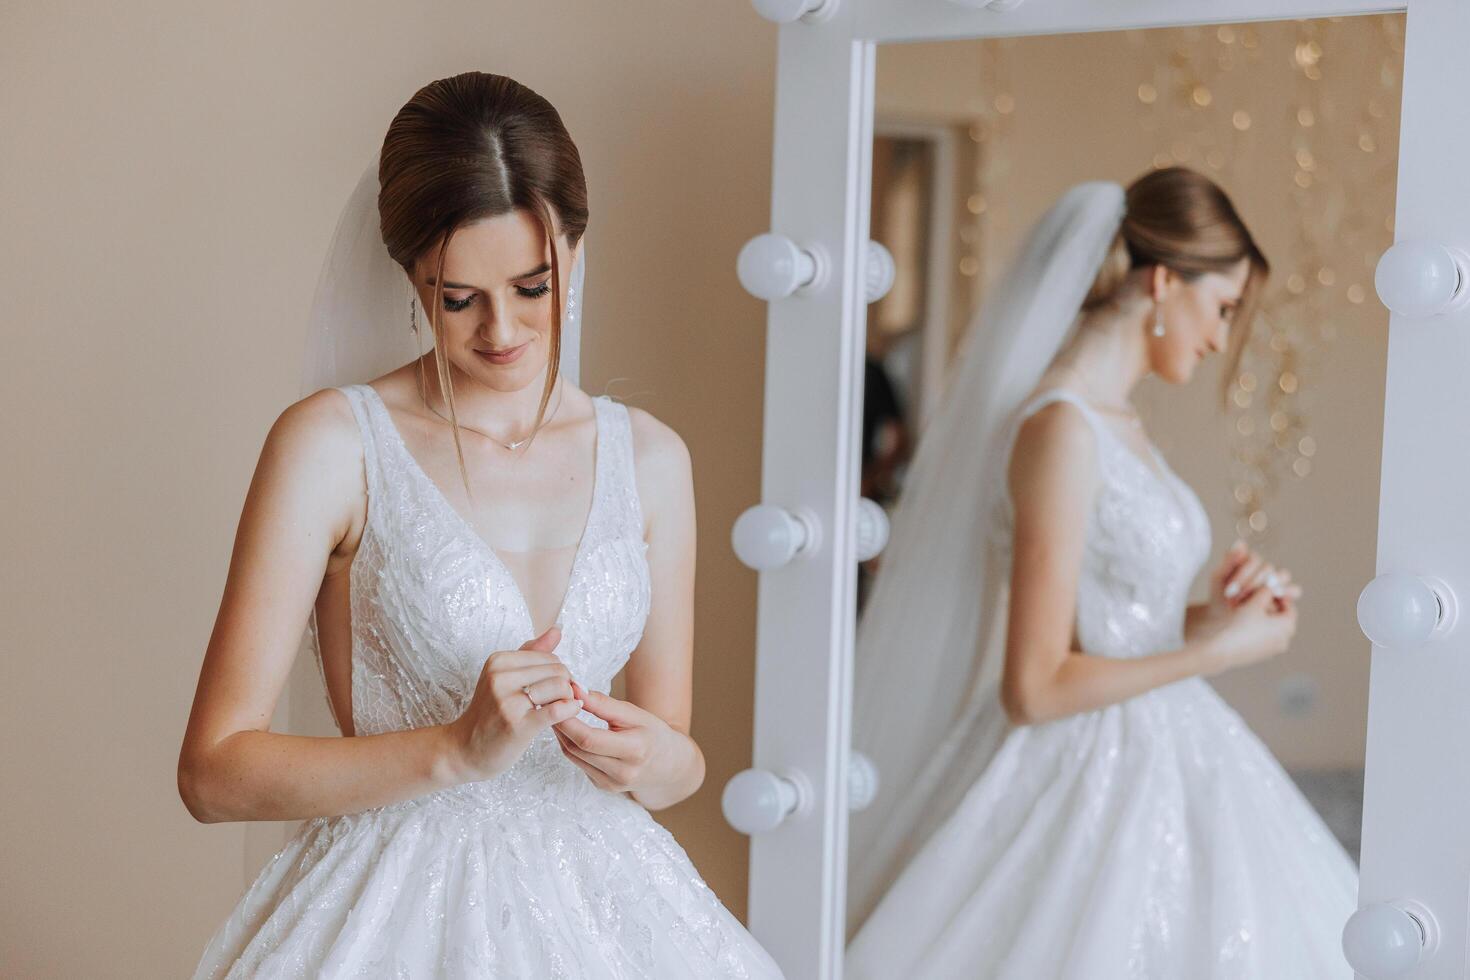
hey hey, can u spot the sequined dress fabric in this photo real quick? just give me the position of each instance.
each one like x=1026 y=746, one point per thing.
x=1153 y=839
x=535 y=873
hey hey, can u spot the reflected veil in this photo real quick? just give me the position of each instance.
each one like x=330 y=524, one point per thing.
x=930 y=637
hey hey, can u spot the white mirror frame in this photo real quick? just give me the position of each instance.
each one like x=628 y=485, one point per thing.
x=1417 y=798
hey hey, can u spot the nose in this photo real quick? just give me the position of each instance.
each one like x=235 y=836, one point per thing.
x=494 y=325
x=1217 y=338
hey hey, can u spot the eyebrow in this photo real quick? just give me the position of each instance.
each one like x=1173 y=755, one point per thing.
x=543 y=267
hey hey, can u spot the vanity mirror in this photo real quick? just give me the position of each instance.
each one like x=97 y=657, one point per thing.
x=947 y=134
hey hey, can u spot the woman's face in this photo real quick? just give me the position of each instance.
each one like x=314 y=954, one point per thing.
x=496 y=317
x=1198 y=317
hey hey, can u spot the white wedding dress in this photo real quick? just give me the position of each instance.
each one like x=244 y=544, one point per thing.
x=535 y=873
x=1153 y=839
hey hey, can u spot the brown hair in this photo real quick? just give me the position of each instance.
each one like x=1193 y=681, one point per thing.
x=1181 y=219
x=468 y=147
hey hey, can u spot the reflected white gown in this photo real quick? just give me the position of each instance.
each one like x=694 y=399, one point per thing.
x=1155 y=839
x=535 y=873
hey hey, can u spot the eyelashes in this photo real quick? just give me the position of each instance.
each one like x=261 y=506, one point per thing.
x=534 y=292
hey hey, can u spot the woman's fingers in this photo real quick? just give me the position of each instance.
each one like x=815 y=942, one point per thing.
x=513 y=659
x=546 y=642
x=1254 y=579
x=1237 y=579
x=549 y=689
x=618 y=714
x=598 y=741
x=1269 y=577
x=505 y=681
x=555 y=712
x=599 y=778
x=1231 y=561
x=616 y=771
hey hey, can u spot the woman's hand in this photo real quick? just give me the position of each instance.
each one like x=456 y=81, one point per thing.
x=638 y=753
x=1250 y=632
x=501 y=718
x=1241 y=572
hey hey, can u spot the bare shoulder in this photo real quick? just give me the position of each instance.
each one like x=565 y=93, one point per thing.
x=321 y=424
x=1056 y=426
x=663 y=472
x=657 y=448
x=314 y=451
x=1054 y=445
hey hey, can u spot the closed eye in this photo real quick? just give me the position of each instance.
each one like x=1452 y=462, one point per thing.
x=529 y=292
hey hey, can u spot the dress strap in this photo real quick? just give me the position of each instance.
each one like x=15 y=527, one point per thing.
x=1050 y=395
x=1030 y=407
x=621 y=493
x=361 y=402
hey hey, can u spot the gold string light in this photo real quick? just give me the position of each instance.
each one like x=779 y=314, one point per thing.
x=1329 y=208
x=1269 y=439
x=990 y=133
x=1188 y=117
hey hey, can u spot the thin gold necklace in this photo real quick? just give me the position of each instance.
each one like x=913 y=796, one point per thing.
x=516 y=444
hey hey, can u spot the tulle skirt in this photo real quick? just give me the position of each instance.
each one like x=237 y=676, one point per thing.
x=1157 y=838
x=586 y=886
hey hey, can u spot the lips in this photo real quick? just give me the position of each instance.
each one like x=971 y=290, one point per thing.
x=502 y=357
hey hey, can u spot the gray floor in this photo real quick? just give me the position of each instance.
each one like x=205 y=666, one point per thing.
x=1338 y=796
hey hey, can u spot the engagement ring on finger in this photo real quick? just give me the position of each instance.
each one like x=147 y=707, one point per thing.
x=527 y=692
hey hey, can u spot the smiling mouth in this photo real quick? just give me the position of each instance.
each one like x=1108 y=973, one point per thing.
x=503 y=356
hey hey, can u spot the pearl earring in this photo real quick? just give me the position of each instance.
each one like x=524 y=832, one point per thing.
x=1158 y=324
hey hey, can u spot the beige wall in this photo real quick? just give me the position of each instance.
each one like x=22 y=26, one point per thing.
x=1077 y=117
x=171 y=174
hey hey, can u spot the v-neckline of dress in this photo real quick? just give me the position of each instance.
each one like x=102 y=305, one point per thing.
x=468 y=530
x=1161 y=472
x=1158 y=468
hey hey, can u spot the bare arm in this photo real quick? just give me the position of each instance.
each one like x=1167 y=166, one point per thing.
x=1053 y=477
x=649 y=752
x=299 y=507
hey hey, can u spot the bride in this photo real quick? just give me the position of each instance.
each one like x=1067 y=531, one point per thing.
x=488 y=815
x=1080 y=803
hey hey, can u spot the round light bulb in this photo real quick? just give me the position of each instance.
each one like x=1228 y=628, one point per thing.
x=1384 y=940
x=756 y=801
x=1420 y=279
x=786 y=11
x=872 y=529
x=1401 y=611
x=772 y=267
x=767 y=536
x=862 y=781
x=880 y=272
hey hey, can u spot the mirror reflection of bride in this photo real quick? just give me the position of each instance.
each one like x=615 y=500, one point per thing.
x=1064 y=794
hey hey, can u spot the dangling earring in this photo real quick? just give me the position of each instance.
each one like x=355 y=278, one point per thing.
x=413 y=315
x=1158 y=322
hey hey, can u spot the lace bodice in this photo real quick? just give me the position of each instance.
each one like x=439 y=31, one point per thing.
x=431 y=600
x=1147 y=537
